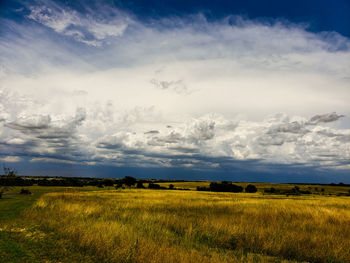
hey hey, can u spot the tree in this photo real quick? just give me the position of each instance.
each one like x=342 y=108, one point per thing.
x=9 y=174
x=251 y=189
x=155 y=186
x=296 y=189
x=129 y=180
x=225 y=187
x=140 y=185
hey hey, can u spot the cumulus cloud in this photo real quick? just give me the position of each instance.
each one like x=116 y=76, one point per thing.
x=329 y=117
x=202 y=130
x=206 y=140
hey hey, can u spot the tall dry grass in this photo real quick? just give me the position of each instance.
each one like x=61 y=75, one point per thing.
x=189 y=226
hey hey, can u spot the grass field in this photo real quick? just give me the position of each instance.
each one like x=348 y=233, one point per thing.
x=130 y=225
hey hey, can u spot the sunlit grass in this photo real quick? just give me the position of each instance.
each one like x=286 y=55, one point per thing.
x=188 y=226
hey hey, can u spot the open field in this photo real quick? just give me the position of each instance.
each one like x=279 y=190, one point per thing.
x=142 y=225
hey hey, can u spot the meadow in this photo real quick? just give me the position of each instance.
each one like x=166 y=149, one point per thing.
x=88 y=224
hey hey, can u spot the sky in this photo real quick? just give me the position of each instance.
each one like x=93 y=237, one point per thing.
x=197 y=90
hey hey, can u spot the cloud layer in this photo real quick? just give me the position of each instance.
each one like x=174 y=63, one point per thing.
x=102 y=87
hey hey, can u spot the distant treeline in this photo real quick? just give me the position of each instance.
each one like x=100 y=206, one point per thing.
x=56 y=181
x=227 y=187
x=127 y=181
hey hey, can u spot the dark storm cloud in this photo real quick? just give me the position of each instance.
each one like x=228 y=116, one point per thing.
x=39 y=136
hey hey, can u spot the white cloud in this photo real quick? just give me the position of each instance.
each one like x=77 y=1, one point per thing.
x=177 y=86
x=51 y=160
x=83 y=28
x=10 y=159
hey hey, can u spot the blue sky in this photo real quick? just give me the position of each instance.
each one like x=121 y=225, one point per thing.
x=243 y=90
x=320 y=15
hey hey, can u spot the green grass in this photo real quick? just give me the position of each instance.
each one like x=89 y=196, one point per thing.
x=15 y=248
x=11 y=250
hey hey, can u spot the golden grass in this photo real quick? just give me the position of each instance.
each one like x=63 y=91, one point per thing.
x=188 y=226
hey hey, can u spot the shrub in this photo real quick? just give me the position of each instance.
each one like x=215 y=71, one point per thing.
x=140 y=185
x=119 y=185
x=155 y=186
x=9 y=180
x=202 y=188
x=25 y=192
x=272 y=190
x=251 y=189
x=225 y=187
x=107 y=182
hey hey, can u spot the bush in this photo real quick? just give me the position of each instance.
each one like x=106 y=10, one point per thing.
x=272 y=190
x=119 y=185
x=202 y=188
x=25 y=192
x=251 y=189
x=225 y=187
x=4 y=189
x=9 y=179
x=296 y=189
x=107 y=182
x=155 y=186
x=140 y=185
